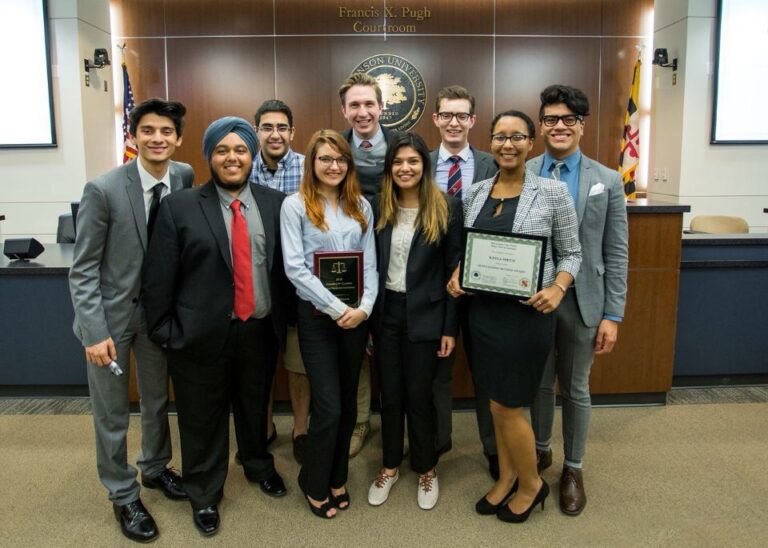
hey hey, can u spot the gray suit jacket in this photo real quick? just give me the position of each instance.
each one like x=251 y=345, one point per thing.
x=105 y=278
x=485 y=165
x=601 y=286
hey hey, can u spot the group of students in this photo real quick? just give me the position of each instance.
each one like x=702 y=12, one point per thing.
x=215 y=294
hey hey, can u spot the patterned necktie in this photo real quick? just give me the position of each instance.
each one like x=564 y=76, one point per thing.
x=454 y=177
x=241 y=264
x=556 y=169
x=366 y=145
x=154 y=205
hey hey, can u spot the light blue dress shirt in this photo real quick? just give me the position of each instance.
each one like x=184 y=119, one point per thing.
x=301 y=239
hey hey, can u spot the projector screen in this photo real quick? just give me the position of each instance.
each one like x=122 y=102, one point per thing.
x=26 y=101
x=741 y=72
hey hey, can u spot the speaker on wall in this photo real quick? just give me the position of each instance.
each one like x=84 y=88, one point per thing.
x=22 y=248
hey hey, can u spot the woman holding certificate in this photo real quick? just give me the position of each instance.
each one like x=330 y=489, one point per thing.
x=327 y=233
x=419 y=245
x=511 y=338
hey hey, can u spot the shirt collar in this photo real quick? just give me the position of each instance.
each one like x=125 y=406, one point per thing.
x=444 y=154
x=375 y=140
x=571 y=161
x=282 y=163
x=148 y=180
x=226 y=198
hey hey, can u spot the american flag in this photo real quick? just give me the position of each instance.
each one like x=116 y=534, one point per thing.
x=129 y=149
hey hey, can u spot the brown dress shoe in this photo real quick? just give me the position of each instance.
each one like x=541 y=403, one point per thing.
x=543 y=460
x=572 y=495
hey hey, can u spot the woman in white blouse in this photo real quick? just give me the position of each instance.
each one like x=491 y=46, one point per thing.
x=329 y=214
x=415 y=322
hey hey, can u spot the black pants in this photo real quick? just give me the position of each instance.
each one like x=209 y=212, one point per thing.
x=240 y=379
x=332 y=358
x=407 y=370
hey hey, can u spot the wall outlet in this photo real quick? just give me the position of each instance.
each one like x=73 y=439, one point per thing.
x=656 y=174
x=664 y=174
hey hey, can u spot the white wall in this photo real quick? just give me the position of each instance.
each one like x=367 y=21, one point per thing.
x=712 y=179
x=37 y=185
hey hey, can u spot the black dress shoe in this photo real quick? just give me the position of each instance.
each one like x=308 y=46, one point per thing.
x=136 y=522
x=273 y=485
x=299 y=442
x=169 y=482
x=206 y=520
x=485 y=508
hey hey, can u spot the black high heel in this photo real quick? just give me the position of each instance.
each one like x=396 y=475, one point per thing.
x=505 y=514
x=485 y=508
x=320 y=511
x=336 y=501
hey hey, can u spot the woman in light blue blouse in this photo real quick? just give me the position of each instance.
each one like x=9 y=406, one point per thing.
x=329 y=214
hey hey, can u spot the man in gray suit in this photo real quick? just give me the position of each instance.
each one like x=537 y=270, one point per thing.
x=457 y=165
x=587 y=321
x=114 y=223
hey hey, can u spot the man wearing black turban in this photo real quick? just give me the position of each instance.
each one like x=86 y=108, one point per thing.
x=214 y=296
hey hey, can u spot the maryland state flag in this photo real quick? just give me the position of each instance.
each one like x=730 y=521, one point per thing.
x=630 y=141
x=129 y=149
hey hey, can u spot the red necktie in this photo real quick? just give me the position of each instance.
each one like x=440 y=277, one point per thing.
x=241 y=264
x=366 y=145
x=454 y=177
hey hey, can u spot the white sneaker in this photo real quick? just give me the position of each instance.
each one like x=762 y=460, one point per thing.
x=358 y=438
x=429 y=490
x=379 y=490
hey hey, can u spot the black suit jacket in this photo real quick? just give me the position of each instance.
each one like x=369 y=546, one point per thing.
x=188 y=279
x=431 y=312
x=370 y=186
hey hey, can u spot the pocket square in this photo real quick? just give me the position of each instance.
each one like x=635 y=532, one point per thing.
x=596 y=189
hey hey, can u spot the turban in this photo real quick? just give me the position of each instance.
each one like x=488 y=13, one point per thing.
x=223 y=127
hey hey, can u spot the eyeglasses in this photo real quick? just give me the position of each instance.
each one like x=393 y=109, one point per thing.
x=327 y=161
x=448 y=116
x=569 y=120
x=269 y=128
x=501 y=139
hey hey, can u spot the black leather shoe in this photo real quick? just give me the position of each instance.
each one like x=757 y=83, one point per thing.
x=206 y=520
x=493 y=466
x=273 y=485
x=169 y=482
x=136 y=522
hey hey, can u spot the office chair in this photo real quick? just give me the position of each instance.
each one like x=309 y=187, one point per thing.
x=719 y=224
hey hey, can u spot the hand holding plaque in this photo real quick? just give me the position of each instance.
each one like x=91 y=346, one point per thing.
x=341 y=272
x=502 y=263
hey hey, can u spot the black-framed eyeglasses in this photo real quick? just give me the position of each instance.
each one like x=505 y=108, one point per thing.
x=569 y=120
x=327 y=161
x=448 y=116
x=269 y=128
x=501 y=139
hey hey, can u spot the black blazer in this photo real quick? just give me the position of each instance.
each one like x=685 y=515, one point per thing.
x=431 y=312
x=188 y=280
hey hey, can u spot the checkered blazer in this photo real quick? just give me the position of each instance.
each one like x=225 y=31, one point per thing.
x=545 y=209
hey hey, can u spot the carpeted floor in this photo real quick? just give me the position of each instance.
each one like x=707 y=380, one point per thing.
x=678 y=475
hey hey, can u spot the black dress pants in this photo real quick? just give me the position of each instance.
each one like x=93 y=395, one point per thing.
x=332 y=358
x=407 y=370
x=240 y=379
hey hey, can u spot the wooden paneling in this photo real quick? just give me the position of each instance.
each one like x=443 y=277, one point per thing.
x=548 y=17
x=654 y=240
x=145 y=59
x=217 y=77
x=622 y=18
x=446 y=16
x=137 y=18
x=525 y=66
x=322 y=16
x=218 y=18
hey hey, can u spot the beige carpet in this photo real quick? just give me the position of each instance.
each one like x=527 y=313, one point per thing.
x=692 y=475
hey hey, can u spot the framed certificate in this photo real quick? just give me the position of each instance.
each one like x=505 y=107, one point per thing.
x=502 y=263
x=341 y=272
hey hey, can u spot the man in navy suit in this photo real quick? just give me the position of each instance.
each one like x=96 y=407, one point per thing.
x=587 y=321
x=454 y=116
